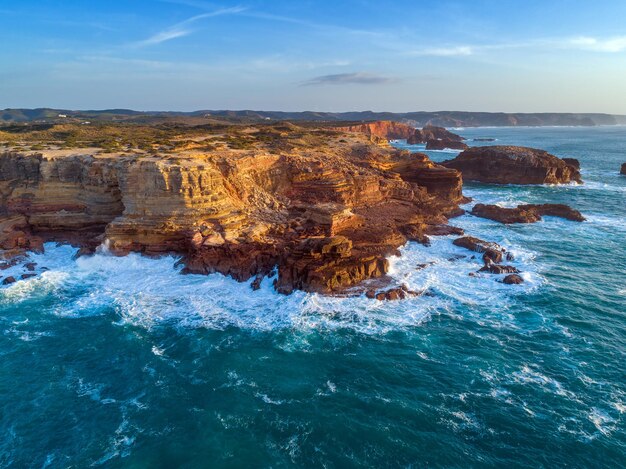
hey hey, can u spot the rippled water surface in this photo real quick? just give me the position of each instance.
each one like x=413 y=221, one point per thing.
x=122 y=362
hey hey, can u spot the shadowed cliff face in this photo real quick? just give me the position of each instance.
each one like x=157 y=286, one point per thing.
x=327 y=217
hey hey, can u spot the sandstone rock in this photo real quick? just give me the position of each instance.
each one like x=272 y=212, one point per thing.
x=555 y=210
x=491 y=251
x=573 y=162
x=513 y=279
x=505 y=215
x=527 y=213
x=328 y=216
x=443 y=144
x=443 y=230
x=513 y=165
x=396 y=293
x=498 y=269
x=388 y=130
x=432 y=133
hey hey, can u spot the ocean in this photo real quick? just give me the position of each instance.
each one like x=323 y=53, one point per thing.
x=122 y=362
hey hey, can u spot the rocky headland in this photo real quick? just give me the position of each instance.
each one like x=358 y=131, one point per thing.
x=514 y=165
x=435 y=138
x=325 y=207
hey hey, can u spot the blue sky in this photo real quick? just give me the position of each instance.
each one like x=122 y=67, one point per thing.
x=516 y=56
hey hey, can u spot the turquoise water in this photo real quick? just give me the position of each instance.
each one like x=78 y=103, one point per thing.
x=120 y=362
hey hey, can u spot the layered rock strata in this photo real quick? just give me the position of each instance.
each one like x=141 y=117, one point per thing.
x=326 y=217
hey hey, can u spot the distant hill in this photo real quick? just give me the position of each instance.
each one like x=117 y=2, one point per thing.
x=418 y=119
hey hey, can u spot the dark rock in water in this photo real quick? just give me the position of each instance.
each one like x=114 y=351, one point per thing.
x=423 y=266
x=499 y=269
x=84 y=251
x=555 y=210
x=505 y=215
x=572 y=162
x=256 y=283
x=445 y=144
x=492 y=251
x=443 y=230
x=623 y=170
x=8 y=280
x=30 y=266
x=527 y=213
x=501 y=164
x=396 y=293
x=513 y=279
x=456 y=258
x=431 y=133
x=25 y=276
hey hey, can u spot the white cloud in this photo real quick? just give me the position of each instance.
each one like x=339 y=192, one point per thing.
x=611 y=45
x=182 y=29
x=446 y=51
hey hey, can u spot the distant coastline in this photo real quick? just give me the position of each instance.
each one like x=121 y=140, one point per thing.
x=417 y=119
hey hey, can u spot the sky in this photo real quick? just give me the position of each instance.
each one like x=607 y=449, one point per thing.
x=404 y=55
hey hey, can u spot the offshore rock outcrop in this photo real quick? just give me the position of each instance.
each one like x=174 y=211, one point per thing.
x=527 y=213
x=513 y=165
x=445 y=144
x=431 y=132
x=326 y=215
x=623 y=169
x=435 y=138
x=492 y=252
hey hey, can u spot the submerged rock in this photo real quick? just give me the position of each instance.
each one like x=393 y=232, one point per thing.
x=8 y=280
x=513 y=165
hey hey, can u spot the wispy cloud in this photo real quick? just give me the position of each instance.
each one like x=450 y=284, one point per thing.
x=614 y=44
x=356 y=78
x=611 y=45
x=183 y=28
x=445 y=51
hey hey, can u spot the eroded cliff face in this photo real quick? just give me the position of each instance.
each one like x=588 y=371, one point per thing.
x=327 y=218
x=387 y=130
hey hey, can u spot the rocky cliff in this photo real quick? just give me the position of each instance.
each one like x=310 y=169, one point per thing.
x=387 y=130
x=327 y=215
x=435 y=138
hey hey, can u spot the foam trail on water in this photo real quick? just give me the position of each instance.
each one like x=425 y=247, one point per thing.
x=149 y=292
